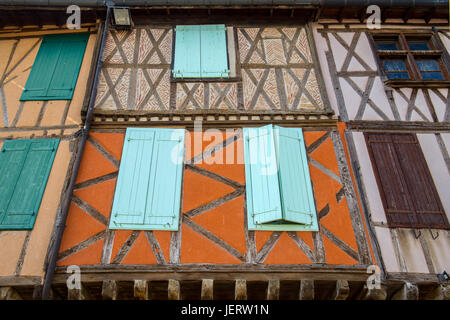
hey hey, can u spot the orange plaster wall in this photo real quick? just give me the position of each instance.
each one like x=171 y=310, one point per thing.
x=226 y=221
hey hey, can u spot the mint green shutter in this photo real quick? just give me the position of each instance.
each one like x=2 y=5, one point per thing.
x=295 y=184
x=128 y=209
x=146 y=176
x=164 y=194
x=187 y=52
x=55 y=70
x=214 y=57
x=262 y=190
x=25 y=193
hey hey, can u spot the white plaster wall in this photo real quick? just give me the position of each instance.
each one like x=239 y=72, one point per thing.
x=377 y=95
x=410 y=248
x=321 y=48
x=438 y=168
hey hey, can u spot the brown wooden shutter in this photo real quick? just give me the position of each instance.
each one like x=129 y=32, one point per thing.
x=407 y=189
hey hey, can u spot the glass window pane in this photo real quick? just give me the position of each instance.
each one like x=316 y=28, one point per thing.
x=432 y=75
x=387 y=46
x=394 y=65
x=427 y=65
x=418 y=46
x=398 y=75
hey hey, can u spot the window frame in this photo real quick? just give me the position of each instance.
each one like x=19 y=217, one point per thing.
x=231 y=49
x=436 y=52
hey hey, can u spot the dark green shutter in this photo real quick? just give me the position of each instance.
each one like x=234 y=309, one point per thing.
x=55 y=71
x=30 y=162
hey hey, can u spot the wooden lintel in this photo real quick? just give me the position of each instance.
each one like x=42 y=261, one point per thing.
x=408 y=291
x=306 y=290
x=207 y=289
x=173 y=290
x=9 y=293
x=341 y=290
x=110 y=289
x=376 y=293
x=141 y=289
x=273 y=289
x=78 y=293
x=240 y=289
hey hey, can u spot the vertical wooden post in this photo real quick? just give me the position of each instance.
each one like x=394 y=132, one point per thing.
x=408 y=291
x=240 y=289
x=373 y=293
x=207 y=289
x=273 y=290
x=173 y=290
x=306 y=290
x=110 y=290
x=341 y=290
x=78 y=294
x=141 y=289
x=9 y=293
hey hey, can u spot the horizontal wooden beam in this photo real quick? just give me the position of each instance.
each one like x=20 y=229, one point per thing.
x=19 y=281
x=216 y=272
x=416 y=126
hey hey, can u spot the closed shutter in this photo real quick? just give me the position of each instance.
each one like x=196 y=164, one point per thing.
x=200 y=52
x=55 y=71
x=214 y=58
x=295 y=184
x=425 y=198
x=263 y=193
x=66 y=72
x=33 y=159
x=407 y=190
x=164 y=193
x=148 y=187
x=187 y=52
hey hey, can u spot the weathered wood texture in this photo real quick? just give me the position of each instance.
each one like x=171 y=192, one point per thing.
x=306 y=290
x=240 y=290
x=141 y=289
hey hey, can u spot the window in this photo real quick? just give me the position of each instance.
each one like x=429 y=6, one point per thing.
x=148 y=189
x=278 y=186
x=410 y=57
x=24 y=169
x=56 y=67
x=406 y=187
x=201 y=52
